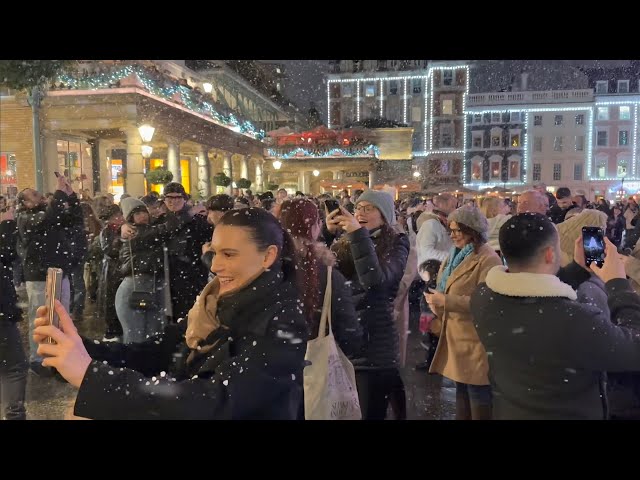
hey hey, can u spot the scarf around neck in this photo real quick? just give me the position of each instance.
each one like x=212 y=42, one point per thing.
x=455 y=258
x=212 y=312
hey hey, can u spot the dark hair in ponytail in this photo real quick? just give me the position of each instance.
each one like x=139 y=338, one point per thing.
x=265 y=230
x=298 y=217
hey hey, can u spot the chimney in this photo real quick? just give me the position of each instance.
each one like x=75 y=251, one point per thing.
x=524 y=77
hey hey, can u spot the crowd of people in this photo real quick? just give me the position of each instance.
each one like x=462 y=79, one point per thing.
x=207 y=306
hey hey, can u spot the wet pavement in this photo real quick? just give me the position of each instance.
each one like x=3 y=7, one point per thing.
x=427 y=397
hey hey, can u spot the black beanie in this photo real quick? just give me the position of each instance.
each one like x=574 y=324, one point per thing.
x=175 y=187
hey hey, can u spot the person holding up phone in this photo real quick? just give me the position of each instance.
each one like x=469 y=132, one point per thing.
x=46 y=240
x=549 y=350
x=373 y=256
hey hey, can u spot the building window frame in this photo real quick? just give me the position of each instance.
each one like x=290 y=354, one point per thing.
x=603 y=113
x=602 y=86
x=602 y=138
x=557 y=143
x=624 y=83
x=537 y=172
x=627 y=112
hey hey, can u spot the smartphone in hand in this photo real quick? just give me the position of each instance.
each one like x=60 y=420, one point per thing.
x=53 y=292
x=593 y=243
x=331 y=205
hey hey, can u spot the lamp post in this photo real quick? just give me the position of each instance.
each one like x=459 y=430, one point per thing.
x=146 y=132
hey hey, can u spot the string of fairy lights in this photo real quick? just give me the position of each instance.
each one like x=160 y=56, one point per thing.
x=163 y=88
x=370 y=150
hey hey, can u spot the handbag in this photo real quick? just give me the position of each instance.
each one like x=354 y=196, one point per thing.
x=143 y=301
x=329 y=379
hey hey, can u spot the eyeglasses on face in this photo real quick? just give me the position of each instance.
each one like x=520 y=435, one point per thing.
x=455 y=231
x=365 y=208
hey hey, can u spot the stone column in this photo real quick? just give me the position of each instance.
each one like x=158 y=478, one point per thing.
x=50 y=163
x=173 y=158
x=134 y=182
x=307 y=182
x=203 y=172
x=244 y=167
x=259 y=186
x=227 y=168
x=372 y=177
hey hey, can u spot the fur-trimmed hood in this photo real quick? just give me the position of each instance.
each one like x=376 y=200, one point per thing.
x=527 y=284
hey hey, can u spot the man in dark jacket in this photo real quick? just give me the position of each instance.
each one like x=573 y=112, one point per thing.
x=217 y=206
x=79 y=254
x=13 y=365
x=559 y=211
x=45 y=240
x=188 y=275
x=547 y=352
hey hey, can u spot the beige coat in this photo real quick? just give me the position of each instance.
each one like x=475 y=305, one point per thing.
x=632 y=268
x=460 y=355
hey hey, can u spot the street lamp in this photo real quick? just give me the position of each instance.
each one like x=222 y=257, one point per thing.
x=416 y=174
x=316 y=173
x=146 y=132
x=208 y=88
x=147 y=150
x=277 y=164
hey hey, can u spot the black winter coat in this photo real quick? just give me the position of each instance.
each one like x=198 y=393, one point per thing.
x=46 y=237
x=9 y=310
x=147 y=249
x=374 y=286
x=109 y=278
x=344 y=320
x=546 y=351
x=188 y=275
x=254 y=371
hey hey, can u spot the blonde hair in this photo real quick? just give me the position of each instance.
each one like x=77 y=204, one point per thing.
x=490 y=206
x=571 y=229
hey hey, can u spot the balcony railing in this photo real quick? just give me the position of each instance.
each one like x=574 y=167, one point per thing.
x=549 y=96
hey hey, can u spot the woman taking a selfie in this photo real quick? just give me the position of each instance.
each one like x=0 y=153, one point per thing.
x=373 y=257
x=240 y=355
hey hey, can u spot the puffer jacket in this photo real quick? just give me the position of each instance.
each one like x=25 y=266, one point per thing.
x=374 y=285
x=147 y=250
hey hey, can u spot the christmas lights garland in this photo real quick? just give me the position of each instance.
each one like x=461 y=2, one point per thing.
x=106 y=80
x=370 y=150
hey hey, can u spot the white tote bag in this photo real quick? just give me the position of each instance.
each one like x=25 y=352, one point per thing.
x=329 y=379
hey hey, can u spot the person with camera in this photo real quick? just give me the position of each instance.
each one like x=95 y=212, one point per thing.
x=45 y=233
x=238 y=356
x=547 y=351
x=140 y=300
x=373 y=256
